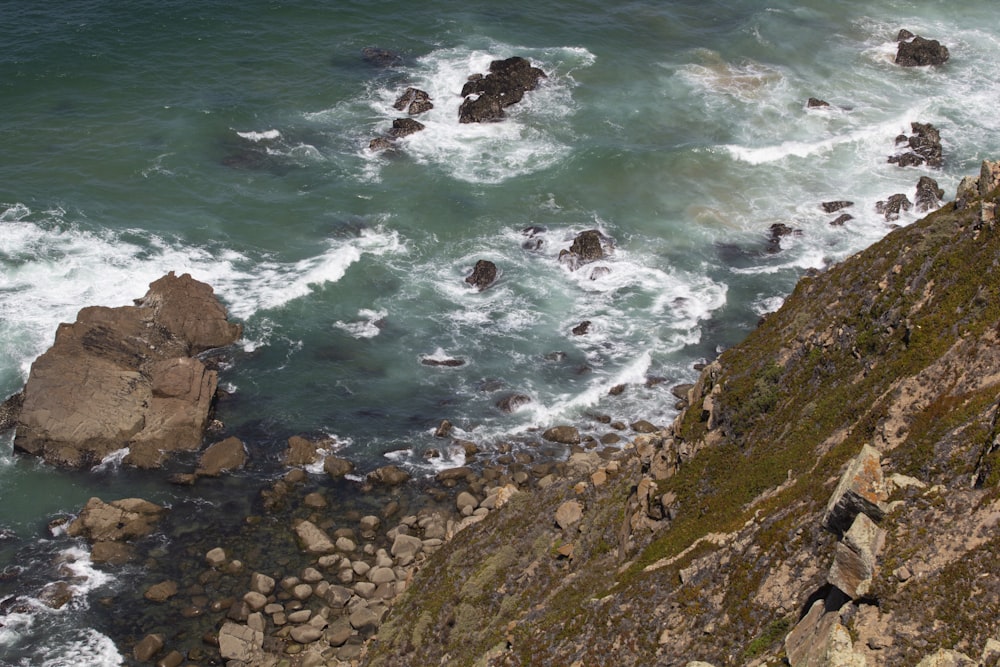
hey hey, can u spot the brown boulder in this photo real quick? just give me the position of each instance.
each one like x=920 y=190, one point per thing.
x=126 y=377
x=229 y=454
x=567 y=435
x=117 y=521
x=389 y=476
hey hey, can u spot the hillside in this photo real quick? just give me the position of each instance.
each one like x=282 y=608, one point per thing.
x=706 y=541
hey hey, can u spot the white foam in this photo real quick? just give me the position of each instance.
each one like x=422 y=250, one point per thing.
x=266 y=135
x=366 y=326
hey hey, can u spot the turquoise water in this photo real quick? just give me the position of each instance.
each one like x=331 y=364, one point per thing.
x=231 y=142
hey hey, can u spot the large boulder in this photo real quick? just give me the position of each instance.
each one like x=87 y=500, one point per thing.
x=917 y=51
x=505 y=85
x=127 y=377
x=483 y=274
x=923 y=146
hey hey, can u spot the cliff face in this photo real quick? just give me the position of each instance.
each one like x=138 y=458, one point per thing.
x=707 y=542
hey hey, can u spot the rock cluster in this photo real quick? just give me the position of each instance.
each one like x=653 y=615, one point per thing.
x=112 y=527
x=487 y=96
x=922 y=147
x=127 y=377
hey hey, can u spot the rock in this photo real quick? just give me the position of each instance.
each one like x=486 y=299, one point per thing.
x=819 y=640
x=841 y=219
x=450 y=363
x=815 y=103
x=892 y=207
x=127 y=377
x=582 y=328
x=364 y=620
x=588 y=246
x=449 y=475
x=305 y=634
x=337 y=467
x=302 y=451
x=947 y=658
x=147 y=647
x=568 y=514
x=414 y=101
x=172 y=659
x=9 y=410
x=861 y=490
x=776 y=232
x=261 y=583
x=379 y=57
x=854 y=560
x=111 y=553
x=643 y=426
x=161 y=592
x=239 y=642
x=512 y=402
x=989 y=178
x=928 y=195
x=566 y=435
x=466 y=500
x=924 y=147
x=224 y=456
x=389 y=475
x=834 y=206
x=404 y=127
x=405 y=548
x=920 y=52
x=380 y=144
x=215 y=557
x=117 y=521
x=313 y=539
x=56 y=595
x=505 y=85
x=483 y=274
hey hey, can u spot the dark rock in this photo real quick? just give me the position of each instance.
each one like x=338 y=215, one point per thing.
x=582 y=328
x=893 y=207
x=127 y=377
x=337 y=467
x=814 y=103
x=588 y=245
x=841 y=219
x=505 y=85
x=924 y=145
x=402 y=127
x=379 y=144
x=483 y=274
x=444 y=429
x=148 y=647
x=512 y=402
x=777 y=231
x=919 y=52
x=414 y=101
x=9 y=410
x=450 y=363
x=928 y=195
x=904 y=35
x=834 y=206
x=381 y=57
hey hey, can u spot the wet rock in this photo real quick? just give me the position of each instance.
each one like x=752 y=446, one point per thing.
x=380 y=144
x=239 y=642
x=404 y=127
x=567 y=435
x=448 y=363
x=483 y=275
x=834 y=206
x=9 y=410
x=776 y=232
x=389 y=475
x=414 y=101
x=301 y=451
x=893 y=207
x=512 y=402
x=56 y=594
x=117 y=521
x=337 y=467
x=224 y=456
x=643 y=426
x=161 y=592
x=380 y=57
x=841 y=219
x=917 y=51
x=924 y=147
x=582 y=328
x=928 y=195
x=313 y=539
x=504 y=85
x=148 y=647
x=816 y=103
x=127 y=377
x=588 y=246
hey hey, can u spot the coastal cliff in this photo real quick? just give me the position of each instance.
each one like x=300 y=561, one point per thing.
x=830 y=494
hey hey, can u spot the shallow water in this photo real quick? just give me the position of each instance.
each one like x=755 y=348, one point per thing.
x=231 y=143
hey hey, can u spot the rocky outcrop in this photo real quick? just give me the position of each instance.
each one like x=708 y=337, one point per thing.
x=484 y=274
x=588 y=246
x=922 y=147
x=505 y=84
x=928 y=196
x=127 y=377
x=916 y=51
x=414 y=101
x=112 y=527
x=893 y=207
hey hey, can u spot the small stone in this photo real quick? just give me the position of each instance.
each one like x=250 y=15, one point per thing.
x=305 y=634
x=161 y=592
x=215 y=557
x=256 y=601
x=261 y=583
x=302 y=592
x=148 y=647
x=466 y=500
x=346 y=545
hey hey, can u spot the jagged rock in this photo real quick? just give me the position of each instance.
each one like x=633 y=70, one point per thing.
x=588 y=246
x=834 y=206
x=841 y=219
x=777 y=231
x=947 y=658
x=389 y=475
x=989 y=177
x=301 y=451
x=414 y=101
x=9 y=410
x=892 y=207
x=161 y=592
x=117 y=521
x=127 y=377
x=924 y=147
x=855 y=557
x=567 y=435
x=512 y=402
x=820 y=640
x=581 y=329
x=918 y=51
x=928 y=195
x=816 y=103
x=483 y=275
x=239 y=642
x=403 y=127
x=861 y=490
x=223 y=456
x=505 y=85
x=380 y=144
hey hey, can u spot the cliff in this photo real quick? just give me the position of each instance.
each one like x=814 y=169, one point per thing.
x=830 y=494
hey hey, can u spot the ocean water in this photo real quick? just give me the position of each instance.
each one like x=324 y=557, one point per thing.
x=231 y=142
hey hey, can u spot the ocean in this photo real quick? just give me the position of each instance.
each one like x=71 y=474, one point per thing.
x=231 y=141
